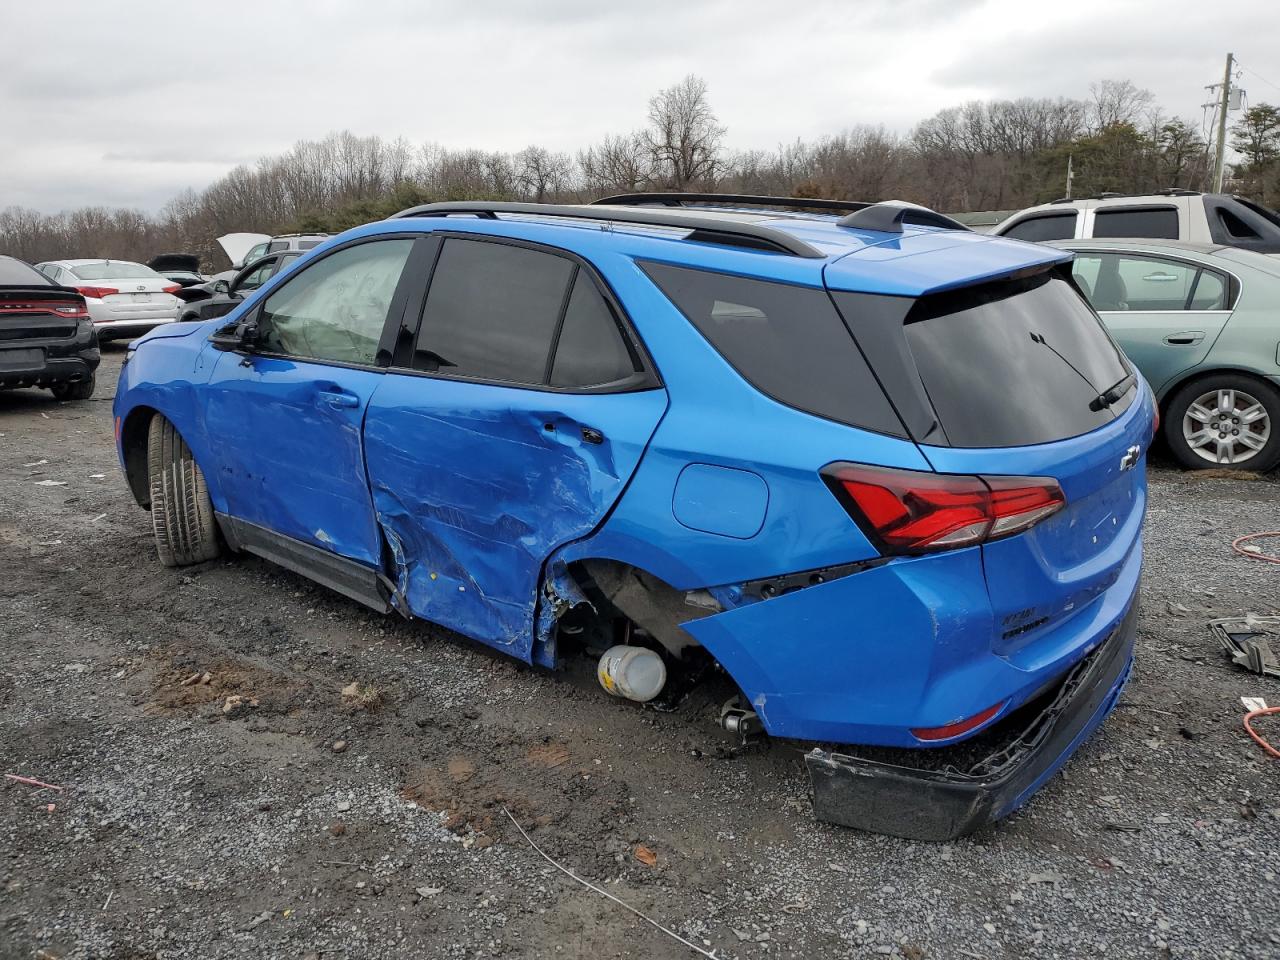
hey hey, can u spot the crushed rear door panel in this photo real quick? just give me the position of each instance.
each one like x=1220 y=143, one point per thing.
x=476 y=485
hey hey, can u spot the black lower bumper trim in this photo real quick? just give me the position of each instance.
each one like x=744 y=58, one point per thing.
x=942 y=804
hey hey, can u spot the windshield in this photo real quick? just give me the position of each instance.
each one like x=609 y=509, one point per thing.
x=1016 y=363
x=114 y=270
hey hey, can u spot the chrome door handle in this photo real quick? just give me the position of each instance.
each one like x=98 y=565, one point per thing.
x=1185 y=338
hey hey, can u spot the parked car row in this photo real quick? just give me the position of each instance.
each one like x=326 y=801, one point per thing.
x=53 y=316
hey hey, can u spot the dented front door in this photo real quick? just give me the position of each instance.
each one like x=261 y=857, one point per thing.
x=475 y=485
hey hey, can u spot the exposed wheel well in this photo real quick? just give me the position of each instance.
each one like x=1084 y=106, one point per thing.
x=133 y=443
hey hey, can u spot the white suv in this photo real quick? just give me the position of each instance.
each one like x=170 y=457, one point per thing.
x=1216 y=218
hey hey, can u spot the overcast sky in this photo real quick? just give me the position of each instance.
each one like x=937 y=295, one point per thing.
x=127 y=103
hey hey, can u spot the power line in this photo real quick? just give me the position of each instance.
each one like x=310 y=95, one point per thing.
x=1258 y=75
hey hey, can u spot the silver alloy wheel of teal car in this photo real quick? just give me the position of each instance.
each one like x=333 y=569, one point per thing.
x=1226 y=426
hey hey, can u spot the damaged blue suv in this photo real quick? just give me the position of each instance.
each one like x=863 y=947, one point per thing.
x=884 y=473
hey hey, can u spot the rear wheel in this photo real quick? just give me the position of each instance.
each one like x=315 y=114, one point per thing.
x=181 y=513
x=1227 y=420
x=80 y=390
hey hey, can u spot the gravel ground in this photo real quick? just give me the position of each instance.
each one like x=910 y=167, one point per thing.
x=311 y=822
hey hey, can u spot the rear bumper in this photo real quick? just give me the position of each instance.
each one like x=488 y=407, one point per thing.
x=24 y=366
x=122 y=329
x=946 y=802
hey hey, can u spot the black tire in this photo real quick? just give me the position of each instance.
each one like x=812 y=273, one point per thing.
x=181 y=514
x=1176 y=423
x=80 y=390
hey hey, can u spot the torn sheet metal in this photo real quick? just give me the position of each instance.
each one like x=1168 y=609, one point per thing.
x=475 y=486
x=1245 y=639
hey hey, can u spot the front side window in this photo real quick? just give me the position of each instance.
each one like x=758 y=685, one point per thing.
x=256 y=277
x=492 y=312
x=1154 y=222
x=336 y=308
x=1049 y=226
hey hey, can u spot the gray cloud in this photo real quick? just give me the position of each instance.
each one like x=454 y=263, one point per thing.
x=133 y=103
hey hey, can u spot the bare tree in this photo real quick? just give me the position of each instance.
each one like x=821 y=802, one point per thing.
x=1113 y=102
x=684 y=136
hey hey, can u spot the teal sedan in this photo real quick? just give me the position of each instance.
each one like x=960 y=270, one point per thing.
x=1202 y=323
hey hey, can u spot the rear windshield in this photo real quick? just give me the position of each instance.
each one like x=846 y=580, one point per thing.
x=16 y=273
x=788 y=342
x=114 y=270
x=1015 y=363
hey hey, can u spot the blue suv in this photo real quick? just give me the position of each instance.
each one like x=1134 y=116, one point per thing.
x=884 y=473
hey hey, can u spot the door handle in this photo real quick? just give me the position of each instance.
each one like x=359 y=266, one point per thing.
x=338 y=398
x=1185 y=338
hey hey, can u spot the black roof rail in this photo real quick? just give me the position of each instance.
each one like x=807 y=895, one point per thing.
x=889 y=215
x=672 y=199
x=701 y=228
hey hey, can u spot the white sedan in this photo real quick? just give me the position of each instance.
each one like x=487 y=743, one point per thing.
x=124 y=299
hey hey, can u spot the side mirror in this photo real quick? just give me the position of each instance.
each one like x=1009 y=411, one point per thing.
x=221 y=286
x=241 y=336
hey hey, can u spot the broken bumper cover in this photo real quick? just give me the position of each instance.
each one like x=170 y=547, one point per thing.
x=947 y=802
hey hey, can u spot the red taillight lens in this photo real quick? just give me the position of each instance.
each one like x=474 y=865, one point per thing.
x=906 y=511
x=61 y=308
x=959 y=727
x=97 y=292
x=172 y=288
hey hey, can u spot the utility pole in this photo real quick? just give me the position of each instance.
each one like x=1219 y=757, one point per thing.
x=1222 y=127
x=1070 y=176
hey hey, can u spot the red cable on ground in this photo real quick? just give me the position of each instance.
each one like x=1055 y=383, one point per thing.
x=1269 y=558
x=1248 y=727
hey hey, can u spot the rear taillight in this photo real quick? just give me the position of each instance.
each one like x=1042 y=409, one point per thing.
x=172 y=288
x=906 y=512
x=97 y=292
x=72 y=311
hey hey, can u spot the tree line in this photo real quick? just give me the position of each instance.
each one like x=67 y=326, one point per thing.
x=982 y=155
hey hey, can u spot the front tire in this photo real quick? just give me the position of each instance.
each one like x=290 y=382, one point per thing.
x=181 y=512
x=80 y=390
x=1227 y=420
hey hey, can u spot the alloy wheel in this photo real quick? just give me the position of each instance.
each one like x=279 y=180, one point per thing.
x=1226 y=426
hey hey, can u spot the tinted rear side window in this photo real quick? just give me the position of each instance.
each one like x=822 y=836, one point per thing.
x=1053 y=226
x=1014 y=363
x=788 y=342
x=590 y=351
x=17 y=273
x=1160 y=222
x=492 y=312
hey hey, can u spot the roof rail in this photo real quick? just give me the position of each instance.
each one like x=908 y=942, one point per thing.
x=889 y=215
x=705 y=229
x=727 y=199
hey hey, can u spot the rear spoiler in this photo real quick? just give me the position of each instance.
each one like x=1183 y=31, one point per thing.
x=27 y=291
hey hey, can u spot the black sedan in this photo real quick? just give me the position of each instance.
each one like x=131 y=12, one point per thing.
x=46 y=336
x=218 y=297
